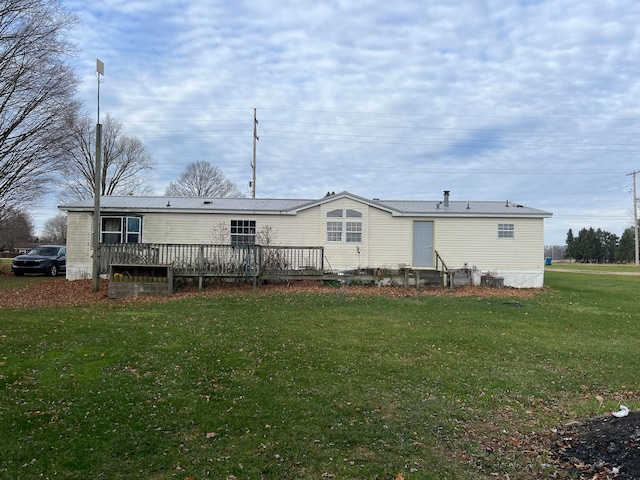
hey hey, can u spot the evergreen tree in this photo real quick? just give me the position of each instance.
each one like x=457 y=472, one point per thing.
x=626 y=248
x=570 y=251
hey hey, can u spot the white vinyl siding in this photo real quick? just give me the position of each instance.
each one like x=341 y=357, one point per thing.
x=377 y=240
x=482 y=248
x=345 y=254
x=79 y=262
x=390 y=240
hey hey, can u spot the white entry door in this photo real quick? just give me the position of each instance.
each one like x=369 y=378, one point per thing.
x=423 y=244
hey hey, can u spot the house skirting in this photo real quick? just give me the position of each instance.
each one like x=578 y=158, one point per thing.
x=515 y=278
x=512 y=278
x=79 y=272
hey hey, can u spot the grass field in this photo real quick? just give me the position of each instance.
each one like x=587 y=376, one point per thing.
x=300 y=385
x=605 y=267
x=5 y=265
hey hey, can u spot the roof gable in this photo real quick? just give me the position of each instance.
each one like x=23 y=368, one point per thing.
x=329 y=198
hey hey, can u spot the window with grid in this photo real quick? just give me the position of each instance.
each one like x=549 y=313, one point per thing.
x=506 y=230
x=243 y=232
x=334 y=231
x=342 y=230
x=354 y=232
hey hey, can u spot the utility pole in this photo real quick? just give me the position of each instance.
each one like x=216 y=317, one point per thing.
x=635 y=214
x=253 y=163
x=97 y=188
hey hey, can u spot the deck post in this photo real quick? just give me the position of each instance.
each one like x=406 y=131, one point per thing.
x=201 y=268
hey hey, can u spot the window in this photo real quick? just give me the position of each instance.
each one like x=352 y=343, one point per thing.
x=349 y=231
x=243 y=232
x=134 y=229
x=334 y=231
x=506 y=230
x=354 y=232
x=121 y=230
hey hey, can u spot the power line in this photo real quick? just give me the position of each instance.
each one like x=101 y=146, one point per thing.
x=491 y=130
x=451 y=115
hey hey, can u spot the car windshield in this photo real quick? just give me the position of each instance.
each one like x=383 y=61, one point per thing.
x=45 y=251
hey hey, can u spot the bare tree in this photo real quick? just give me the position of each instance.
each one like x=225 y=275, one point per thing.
x=55 y=229
x=37 y=91
x=16 y=226
x=124 y=161
x=201 y=179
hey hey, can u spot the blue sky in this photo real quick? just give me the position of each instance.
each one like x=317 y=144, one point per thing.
x=535 y=102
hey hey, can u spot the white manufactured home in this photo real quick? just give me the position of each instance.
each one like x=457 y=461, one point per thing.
x=502 y=239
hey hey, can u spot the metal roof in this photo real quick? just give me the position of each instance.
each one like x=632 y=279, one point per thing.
x=262 y=205
x=292 y=206
x=422 y=207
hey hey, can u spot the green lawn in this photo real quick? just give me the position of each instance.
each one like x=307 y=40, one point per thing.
x=5 y=265
x=296 y=386
x=608 y=267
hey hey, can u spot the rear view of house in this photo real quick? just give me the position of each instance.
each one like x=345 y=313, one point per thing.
x=498 y=238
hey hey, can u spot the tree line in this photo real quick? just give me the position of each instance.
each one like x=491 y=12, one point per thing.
x=47 y=143
x=600 y=246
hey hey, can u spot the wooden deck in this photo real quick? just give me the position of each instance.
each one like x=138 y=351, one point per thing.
x=254 y=263
x=223 y=261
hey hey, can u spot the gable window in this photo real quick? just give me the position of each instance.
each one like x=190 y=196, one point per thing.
x=121 y=230
x=343 y=226
x=243 y=232
x=506 y=230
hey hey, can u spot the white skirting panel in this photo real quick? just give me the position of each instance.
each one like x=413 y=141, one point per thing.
x=516 y=278
x=79 y=272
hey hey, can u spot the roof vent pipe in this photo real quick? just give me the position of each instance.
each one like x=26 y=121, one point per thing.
x=446 y=198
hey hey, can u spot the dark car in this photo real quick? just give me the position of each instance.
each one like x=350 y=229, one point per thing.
x=47 y=259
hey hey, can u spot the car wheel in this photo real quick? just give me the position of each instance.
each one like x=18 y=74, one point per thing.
x=53 y=270
x=19 y=274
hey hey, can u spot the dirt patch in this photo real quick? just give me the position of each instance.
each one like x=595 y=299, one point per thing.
x=601 y=448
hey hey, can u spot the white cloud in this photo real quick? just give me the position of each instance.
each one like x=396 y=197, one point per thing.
x=532 y=101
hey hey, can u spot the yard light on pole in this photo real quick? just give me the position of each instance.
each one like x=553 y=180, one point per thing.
x=97 y=187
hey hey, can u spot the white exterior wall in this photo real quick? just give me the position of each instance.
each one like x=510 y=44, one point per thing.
x=474 y=243
x=287 y=230
x=387 y=241
x=342 y=255
x=391 y=240
x=79 y=260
